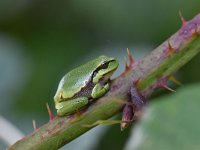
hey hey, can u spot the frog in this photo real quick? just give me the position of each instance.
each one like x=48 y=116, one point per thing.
x=84 y=84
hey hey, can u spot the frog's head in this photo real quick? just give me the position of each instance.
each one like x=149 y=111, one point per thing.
x=98 y=70
x=106 y=69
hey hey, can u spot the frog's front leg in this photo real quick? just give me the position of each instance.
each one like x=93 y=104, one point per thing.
x=70 y=106
x=99 y=90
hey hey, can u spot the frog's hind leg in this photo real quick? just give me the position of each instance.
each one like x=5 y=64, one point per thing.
x=99 y=90
x=71 y=106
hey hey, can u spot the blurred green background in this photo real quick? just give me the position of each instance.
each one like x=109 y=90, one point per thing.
x=41 y=40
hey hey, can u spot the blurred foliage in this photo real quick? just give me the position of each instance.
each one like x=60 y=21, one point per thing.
x=172 y=122
x=58 y=35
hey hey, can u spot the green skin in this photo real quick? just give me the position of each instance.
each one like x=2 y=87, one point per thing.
x=83 y=84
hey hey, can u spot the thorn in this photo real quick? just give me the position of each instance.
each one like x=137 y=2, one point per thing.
x=173 y=79
x=49 y=112
x=195 y=33
x=126 y=67
x=170 y=49
x=130 y=57
x=34 y=125
x=136 y=82
x=169 y=45
x=182 y=18
x=162 y=83
x=168 y=88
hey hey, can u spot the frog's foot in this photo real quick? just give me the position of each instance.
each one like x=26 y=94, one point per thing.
x=105 y=122
x=99 y=90
x=71 y=106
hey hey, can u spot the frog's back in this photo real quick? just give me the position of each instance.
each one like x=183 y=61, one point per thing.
x=77 y=78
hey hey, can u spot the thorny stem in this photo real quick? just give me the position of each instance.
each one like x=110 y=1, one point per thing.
x=160 y=63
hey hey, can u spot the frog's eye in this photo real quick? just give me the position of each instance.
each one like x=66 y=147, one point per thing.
x=104 y=65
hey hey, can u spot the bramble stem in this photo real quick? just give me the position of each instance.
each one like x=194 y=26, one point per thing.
x=160 y=63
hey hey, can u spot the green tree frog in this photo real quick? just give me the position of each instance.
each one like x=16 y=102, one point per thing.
x=84 y=84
